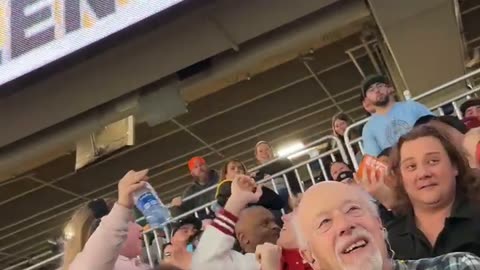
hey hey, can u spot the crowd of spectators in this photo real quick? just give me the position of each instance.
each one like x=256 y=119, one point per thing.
x=422 y=211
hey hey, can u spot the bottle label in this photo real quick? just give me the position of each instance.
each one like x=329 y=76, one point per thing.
x=146 y=200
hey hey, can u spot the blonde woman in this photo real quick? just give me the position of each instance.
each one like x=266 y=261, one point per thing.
x=105 y=237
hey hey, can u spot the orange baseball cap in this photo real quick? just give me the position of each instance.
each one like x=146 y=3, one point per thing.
x=193 y=162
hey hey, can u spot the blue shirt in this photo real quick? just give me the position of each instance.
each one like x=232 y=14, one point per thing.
x=383 y=131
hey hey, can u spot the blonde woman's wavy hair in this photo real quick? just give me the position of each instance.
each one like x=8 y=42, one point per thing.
x=77 y=231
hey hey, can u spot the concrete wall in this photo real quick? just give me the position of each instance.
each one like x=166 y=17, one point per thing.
x=425 y=42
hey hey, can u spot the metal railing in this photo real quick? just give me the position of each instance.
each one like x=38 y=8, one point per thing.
x=350 y=142
x=300 y=169
x=305 y=165
x=309 y=146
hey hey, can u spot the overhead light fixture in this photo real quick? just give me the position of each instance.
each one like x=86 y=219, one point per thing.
x=291 y=150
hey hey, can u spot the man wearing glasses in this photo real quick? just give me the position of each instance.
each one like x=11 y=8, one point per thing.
x=391 y=119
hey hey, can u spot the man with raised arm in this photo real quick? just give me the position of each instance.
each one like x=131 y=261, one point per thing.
x=256 y=231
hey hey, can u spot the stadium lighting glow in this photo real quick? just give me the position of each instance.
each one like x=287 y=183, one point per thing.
x=291 y=150
x=68 y=232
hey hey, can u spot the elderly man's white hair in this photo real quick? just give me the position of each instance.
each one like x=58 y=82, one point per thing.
x=302 y=241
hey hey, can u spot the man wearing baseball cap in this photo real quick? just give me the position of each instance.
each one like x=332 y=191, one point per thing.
x=471 y=113
x=391 y=119
x=202 y=178
x=183 y=233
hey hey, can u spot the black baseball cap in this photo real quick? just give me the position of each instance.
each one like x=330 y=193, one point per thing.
x=450 y=120
x=469 y=103
x=190 y=220
x=370 y=80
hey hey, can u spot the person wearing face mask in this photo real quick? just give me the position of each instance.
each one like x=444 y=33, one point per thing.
x=471 y=112
x=105 y=237
x=391 y=119
x=338 y=228
x=340 y=171
x=438 y=195
x=181 y=245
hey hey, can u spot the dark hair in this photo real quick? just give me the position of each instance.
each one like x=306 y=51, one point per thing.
x=385 y=152
x=454 y=122
x=449 y=120
x=467 y=181
x=424 y=120
x=225 y=168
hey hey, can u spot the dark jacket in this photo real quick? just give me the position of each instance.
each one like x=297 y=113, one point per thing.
x=199 y=200
x=292 y=260
x=269 y=198
x=278 y=166
x=461 y=233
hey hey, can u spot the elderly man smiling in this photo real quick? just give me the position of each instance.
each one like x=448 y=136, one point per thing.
x=338 y=227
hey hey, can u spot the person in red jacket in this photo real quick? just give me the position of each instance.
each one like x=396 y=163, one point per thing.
x=290 y=257
x=215 y=249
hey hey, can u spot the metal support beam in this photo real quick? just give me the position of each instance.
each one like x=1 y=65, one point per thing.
x=46 y=184
x=354 y=60
x=370 y=55
x=209 y=146
x=322 y=86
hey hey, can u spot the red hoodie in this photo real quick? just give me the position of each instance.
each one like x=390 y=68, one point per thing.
x=291 y=260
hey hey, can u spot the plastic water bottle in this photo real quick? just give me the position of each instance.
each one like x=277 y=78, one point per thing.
x=148 y=202
x=216 y=207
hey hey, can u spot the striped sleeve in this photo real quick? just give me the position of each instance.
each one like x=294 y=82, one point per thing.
x=225 y=222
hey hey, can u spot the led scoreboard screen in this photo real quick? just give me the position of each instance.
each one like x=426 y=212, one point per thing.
x=34 y=33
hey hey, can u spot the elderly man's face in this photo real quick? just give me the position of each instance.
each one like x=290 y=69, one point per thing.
x=340 y=228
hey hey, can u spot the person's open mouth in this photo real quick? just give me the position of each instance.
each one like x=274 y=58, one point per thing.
x=355 y=245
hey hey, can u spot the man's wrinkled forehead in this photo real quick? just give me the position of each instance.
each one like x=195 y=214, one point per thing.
x=328 y=197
